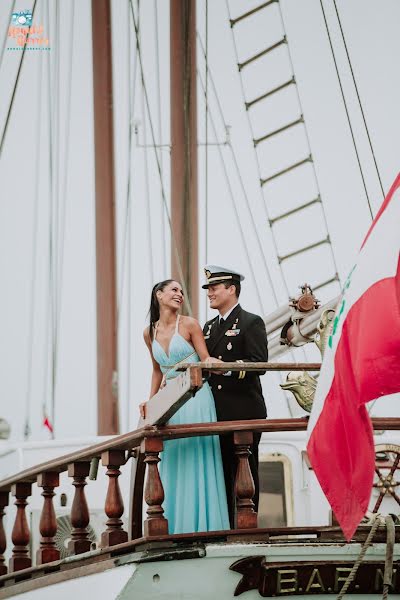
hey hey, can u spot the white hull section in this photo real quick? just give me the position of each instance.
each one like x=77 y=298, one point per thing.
x=102 y=586
x=203 y=571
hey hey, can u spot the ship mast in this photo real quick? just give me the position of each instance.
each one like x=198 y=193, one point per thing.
x=107 y=407
x=184 y=243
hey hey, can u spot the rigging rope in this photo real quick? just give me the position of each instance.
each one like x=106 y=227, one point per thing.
x=358 y=97
x=60 y=209
x=127 y=231
x=206 y=154
x=7 y=121
x=163 y=195
x=127 y=240
x=34 y=254
x=147 y=191
x=234 y=157
x=256 y=157
x=54 y=201
x=258 y=166
x=3 y=46
x=243 y=238
x=49 y=321
x=146 y=172
x=346 y=109
x=377 y=521
x=220 y=110
x=247 y=201
x=160 y=132
x=390 y=542
x=35 y=223
x=308 y=143
x=63 y=195
x=56 y=250
x=360 y=558
x=234 y=204
x=264 y=204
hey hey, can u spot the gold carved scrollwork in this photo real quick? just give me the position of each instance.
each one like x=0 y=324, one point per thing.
x=300 y=383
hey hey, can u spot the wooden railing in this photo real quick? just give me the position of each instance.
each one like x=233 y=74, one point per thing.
x=142 y=447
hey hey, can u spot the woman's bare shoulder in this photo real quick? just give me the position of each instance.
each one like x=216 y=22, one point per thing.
x=190 y=322
x=146 y=334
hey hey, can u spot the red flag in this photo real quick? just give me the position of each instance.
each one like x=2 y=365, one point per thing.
x=361 y=363
x=47 y=424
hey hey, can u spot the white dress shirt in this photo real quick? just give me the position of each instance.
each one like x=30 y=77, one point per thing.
x=226 y=315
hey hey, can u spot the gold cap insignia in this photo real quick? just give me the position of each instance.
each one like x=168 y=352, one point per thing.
x=208 y=273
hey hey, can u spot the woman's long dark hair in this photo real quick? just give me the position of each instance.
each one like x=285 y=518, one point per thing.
x=154 y=310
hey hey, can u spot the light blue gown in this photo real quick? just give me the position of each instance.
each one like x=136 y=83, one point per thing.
x=191 y=468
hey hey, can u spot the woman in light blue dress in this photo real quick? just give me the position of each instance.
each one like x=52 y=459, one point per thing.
x=191 y=468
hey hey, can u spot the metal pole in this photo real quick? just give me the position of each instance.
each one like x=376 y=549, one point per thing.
x=107 y=413
x=184 y=148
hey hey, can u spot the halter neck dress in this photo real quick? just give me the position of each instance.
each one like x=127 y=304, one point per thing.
x=191 y=469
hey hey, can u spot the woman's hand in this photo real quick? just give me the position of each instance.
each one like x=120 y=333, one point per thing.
x=142 y=409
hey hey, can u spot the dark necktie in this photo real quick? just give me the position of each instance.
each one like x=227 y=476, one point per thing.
x=221 y=322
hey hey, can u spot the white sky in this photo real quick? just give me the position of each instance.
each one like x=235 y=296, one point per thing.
x=373 y=43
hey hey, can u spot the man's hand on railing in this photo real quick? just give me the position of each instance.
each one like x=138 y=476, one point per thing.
x=211 y=359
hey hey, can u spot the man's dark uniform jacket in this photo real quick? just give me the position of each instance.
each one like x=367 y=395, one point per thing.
x=239 y=395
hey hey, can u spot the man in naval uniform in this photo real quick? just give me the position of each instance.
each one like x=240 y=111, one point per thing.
x=235 y=335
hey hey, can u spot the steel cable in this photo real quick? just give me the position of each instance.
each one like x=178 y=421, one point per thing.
x=238 y=218
x=264 y=204
x=49 y=305
x=206 y=151
x=147 y=191
x=247 y=201
x=163 y=195
x=127 y=240
x=346 y=109
x=160 y=131
x=258 y=166
x=62 y=207
x=309 y=145
x=359 y=99
x=10 y=106
x=234 y=204
x=34 y=253
x=3 y=46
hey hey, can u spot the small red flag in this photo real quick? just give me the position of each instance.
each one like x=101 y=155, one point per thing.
x=47 y=424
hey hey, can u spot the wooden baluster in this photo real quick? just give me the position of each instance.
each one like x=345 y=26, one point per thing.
x=156 y=523
x=20 y=534
x=80 y=541
x=3 y=539
x=138 y=470
x=114 y=507
x=48 y=522
x=246 y=517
